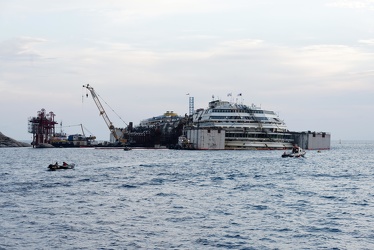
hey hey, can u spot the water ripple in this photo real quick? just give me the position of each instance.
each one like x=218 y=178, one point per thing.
x=166 y=199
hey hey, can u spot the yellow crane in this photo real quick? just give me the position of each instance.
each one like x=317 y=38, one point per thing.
x=104 y=114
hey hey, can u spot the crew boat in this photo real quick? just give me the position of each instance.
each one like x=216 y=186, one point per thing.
x=229 y=125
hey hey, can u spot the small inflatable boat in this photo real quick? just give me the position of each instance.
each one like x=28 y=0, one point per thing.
x=53 y=167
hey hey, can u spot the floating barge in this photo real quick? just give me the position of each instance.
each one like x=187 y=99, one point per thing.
x=44 y=133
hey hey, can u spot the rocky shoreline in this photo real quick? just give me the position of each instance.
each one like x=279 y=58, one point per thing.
x=6 y=142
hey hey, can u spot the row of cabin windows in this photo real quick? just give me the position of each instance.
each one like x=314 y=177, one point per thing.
x=245 y=135
x=228 y=111
x=214 y=117
x=240 y=111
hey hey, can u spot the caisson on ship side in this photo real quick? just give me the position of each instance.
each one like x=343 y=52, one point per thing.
x=229 y=125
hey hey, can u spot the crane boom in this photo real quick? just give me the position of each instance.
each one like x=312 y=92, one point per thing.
x=102 y=111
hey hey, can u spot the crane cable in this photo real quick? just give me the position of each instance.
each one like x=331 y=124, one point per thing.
x=106 y=104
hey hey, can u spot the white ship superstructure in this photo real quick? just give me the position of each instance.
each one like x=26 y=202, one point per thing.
x=237 y=126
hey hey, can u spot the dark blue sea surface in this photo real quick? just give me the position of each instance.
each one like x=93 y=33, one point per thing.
x=169 y=199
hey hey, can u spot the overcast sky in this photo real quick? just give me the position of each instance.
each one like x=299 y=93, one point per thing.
x=312 y=62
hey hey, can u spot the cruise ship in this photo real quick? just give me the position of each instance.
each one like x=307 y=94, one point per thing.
x=229 y=125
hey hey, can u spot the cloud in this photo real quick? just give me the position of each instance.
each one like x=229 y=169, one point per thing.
x=242 y=58
x=197 y=37
x=367 y=73
x=352 y=4
x=367 y=41
x=20 y=48
x=120 y=11
x=327 y=59
x=242 y=65
x=242 y=43
x=144 y=9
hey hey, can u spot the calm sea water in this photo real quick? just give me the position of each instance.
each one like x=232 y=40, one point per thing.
x=167 y=199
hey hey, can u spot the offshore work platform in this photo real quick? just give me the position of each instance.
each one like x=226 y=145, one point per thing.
x=42 y=128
